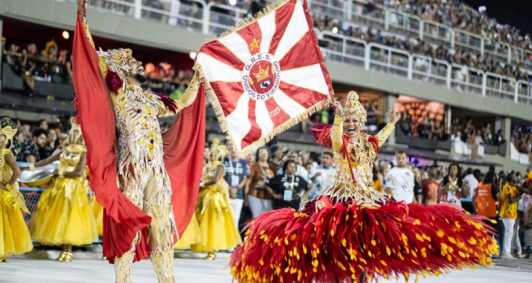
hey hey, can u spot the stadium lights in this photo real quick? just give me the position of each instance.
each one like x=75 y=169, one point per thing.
x=192 y=55
x=233 y=2
x=65 y=34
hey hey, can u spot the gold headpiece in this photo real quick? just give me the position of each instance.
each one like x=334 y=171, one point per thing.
x=75 y=136
x=353 y=106
x=9 y=132
x=49 y=45
x=220 y=151
x=116 y=60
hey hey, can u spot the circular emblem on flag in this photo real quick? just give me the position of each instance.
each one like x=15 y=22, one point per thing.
x=261 y=76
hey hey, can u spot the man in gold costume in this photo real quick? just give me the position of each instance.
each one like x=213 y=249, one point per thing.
x=140 y=158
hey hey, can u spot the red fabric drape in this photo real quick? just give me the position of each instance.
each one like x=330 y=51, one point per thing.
x=184 y=144
x=97 y=118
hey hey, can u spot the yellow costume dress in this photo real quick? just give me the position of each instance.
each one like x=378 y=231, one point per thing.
x=217 y=227
x=190 y=237
x=14 y=235
x=97 y=211
x=64 y=214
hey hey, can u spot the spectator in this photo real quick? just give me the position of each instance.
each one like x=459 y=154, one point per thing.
x=498 y=139
x=418 y=191
x=400 y=180
x=510 y=201
x=377 y=180
x=471 y=179
x=52 y=142
x=236 y=174
x=527 y=217
x=431 y=187
x=35 y=150
x=452 y=185
x=300 y=171
x=259 y=199
x=484 y=201
x=288 y=189
x=322 y=176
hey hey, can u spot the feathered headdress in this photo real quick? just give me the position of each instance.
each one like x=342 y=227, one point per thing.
x=353 y=106
x=8 y=131
x=49 y=45
x=75 y=136
x=219 y=151
x=116 y=60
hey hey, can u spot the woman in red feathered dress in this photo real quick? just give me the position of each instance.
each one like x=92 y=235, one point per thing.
x=353 y=233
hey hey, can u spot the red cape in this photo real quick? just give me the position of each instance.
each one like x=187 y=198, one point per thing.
x=183 y=155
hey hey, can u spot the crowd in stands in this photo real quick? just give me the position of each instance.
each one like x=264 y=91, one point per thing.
x=521 y=138
x=50 y=64
x=451 y=13
x=37 y=141
x=457 y=14
x=54 y=65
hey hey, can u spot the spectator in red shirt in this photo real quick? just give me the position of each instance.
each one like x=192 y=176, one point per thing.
x=431 y=187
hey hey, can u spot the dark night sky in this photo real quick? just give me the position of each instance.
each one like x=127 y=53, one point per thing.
x=514 y=12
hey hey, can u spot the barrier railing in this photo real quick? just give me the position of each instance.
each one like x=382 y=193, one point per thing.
x=404 y=24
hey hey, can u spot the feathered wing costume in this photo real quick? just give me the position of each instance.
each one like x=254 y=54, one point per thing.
x=101 y=91
x=353 y=229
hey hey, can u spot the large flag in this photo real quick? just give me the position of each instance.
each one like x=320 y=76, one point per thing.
x=265 y=75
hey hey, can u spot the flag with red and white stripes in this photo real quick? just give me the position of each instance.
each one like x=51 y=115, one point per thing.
x=265 y=75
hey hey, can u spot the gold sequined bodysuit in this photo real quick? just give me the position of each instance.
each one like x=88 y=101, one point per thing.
x=362 y=154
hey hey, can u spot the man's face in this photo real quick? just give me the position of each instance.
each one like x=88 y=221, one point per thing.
x=327 y=160
x=293 y=156
x=40 y=141
x=291 y=169
x=44 y=125
x=401 y=159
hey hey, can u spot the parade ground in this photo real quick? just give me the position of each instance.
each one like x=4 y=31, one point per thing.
x=190 y=268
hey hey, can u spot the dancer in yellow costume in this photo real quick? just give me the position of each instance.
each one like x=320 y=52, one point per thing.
x=217 y=227
x=190 y=237
x=14 y=235
x=97 y=211
x=64 y=216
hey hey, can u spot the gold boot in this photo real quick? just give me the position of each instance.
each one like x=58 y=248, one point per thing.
x=62 y=256
x=211 y=255
x=68 y=257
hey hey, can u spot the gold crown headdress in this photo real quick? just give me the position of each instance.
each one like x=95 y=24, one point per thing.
x=353 y=106
x=75 y=136
x=220 y=151
x=116 y=60
x=9 y=132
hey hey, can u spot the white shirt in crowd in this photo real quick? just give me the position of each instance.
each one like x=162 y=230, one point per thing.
x=323 y=181
x=472 y=184
x=401 y=181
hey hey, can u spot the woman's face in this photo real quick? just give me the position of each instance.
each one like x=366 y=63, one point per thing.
x=453 y=171
x=19 y=137
x=351 y=125
x=424 y=175
x=52 y=136
x=263 y=154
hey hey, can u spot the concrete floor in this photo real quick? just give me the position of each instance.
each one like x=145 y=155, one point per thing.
x=196 y=270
